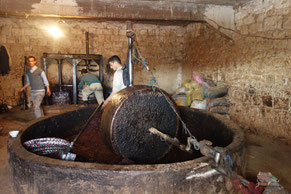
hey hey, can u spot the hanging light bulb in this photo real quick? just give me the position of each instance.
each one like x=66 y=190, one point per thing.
x=55 y=31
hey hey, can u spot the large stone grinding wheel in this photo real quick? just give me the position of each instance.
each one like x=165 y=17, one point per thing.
x=127 y=118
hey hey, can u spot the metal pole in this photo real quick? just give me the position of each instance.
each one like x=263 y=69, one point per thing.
x=74 y=63
x=130 y=36
x=60 y=61
x=87 y=43
x=129 y=60
x=44 y=63
x=101 y=69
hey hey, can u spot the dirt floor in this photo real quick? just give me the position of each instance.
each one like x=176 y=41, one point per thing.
x=268 y=155
x=264 y=154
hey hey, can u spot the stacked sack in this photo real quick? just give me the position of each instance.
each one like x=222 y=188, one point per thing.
x=203 y=94
x=218 y=105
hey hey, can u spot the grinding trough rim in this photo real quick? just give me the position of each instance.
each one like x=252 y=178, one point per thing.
x=14 y=146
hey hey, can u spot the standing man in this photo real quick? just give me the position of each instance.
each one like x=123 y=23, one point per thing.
x=37 y=80
x=92 y=84
x=115 y=64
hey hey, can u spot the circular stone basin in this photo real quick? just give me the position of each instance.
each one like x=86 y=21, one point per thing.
x=97 y=170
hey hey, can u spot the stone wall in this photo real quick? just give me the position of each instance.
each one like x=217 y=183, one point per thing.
x=161 y=45
x=254 y=62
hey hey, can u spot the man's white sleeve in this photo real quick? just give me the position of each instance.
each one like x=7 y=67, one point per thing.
x=44 y=79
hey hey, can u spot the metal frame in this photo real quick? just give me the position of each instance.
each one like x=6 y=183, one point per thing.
x=74 y=60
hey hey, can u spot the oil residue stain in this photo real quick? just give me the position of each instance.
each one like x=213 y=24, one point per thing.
x=91 y=148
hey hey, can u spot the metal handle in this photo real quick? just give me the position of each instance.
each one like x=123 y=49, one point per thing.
x=98 y=108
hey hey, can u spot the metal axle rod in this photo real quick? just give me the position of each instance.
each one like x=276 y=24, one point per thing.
x=205 y=146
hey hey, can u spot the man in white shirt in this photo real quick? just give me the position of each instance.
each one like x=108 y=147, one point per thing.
x=37 y=80
x=115 y=64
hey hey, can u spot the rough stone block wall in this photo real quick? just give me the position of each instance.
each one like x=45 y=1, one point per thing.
x=253 y=60
x=161 y=45
x=164 y=47
x=254 y=63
